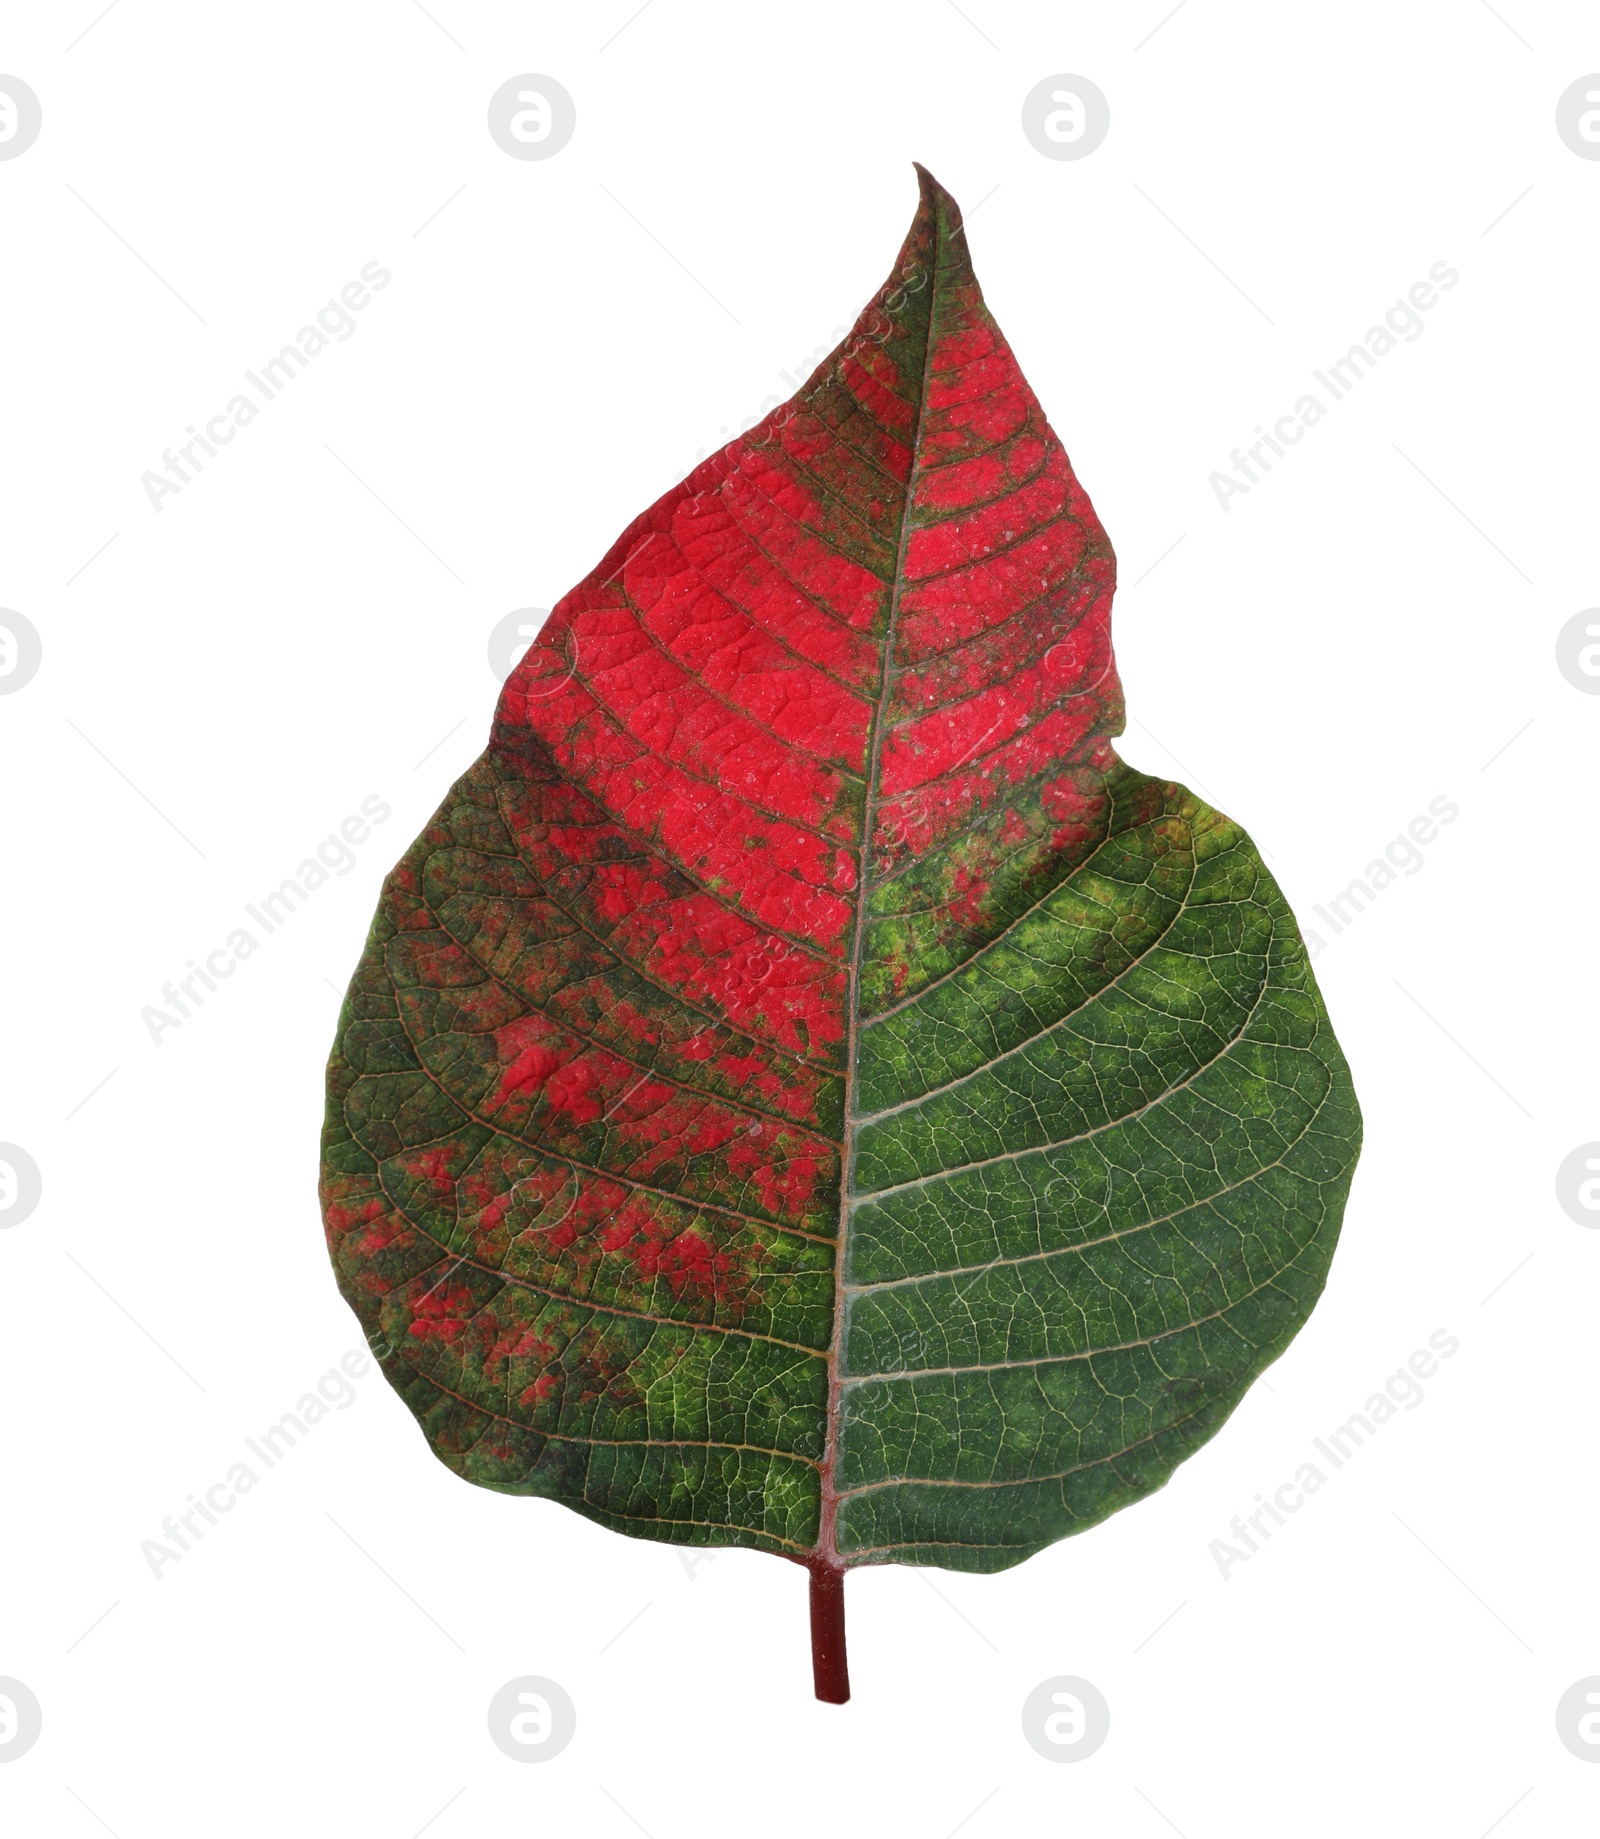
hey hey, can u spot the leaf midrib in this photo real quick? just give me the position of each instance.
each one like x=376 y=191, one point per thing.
x=827 y=1543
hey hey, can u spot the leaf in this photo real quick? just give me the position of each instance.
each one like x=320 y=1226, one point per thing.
x=802 y=1090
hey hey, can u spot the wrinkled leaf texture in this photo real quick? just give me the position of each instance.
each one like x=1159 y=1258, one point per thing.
x=802 y=1090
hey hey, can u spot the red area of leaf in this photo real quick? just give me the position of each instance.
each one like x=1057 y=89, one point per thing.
x=441 y=1314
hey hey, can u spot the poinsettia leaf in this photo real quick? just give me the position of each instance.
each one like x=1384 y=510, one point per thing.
x=802 y=1090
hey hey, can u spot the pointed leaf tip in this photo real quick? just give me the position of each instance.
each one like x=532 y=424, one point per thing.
x=936 y=199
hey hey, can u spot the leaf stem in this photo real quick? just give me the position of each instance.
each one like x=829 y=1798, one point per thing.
x=830 y=1664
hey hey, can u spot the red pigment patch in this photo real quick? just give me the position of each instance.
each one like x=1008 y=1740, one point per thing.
x=433 y=1165
x=518 y=1342
x=442 y=1314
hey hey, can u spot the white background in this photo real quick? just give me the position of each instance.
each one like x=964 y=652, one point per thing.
x=1337 y=648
